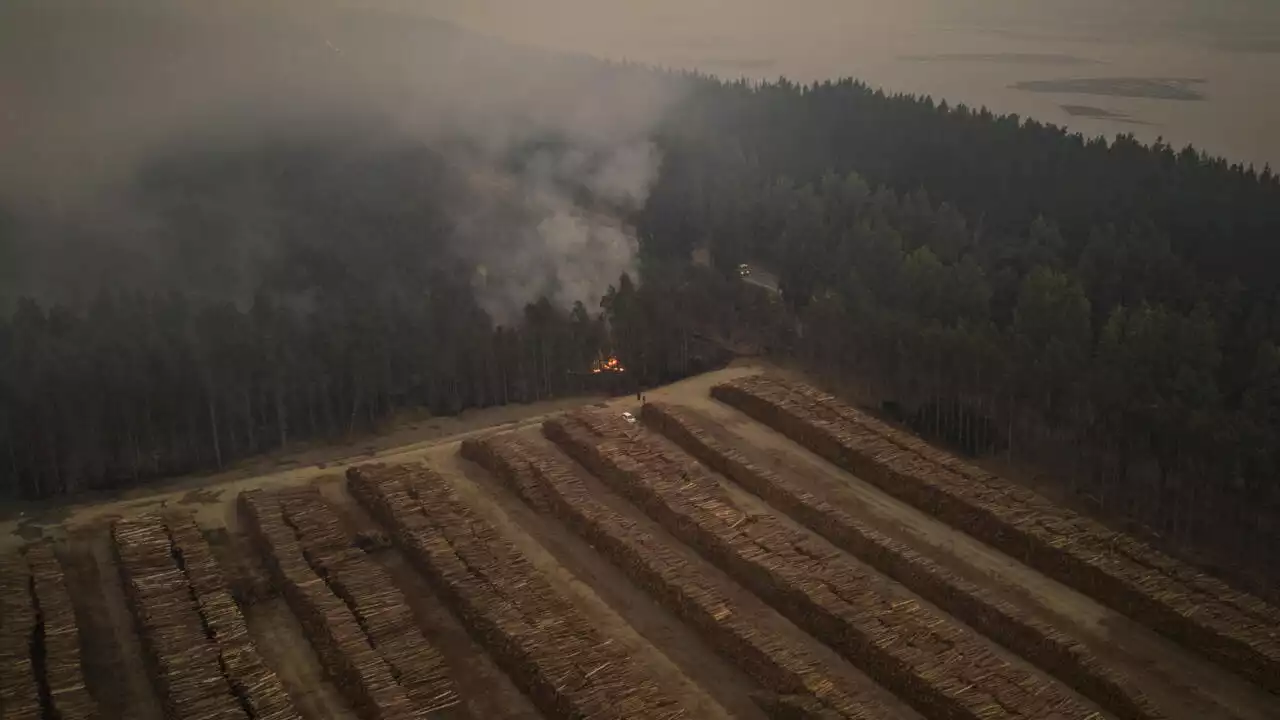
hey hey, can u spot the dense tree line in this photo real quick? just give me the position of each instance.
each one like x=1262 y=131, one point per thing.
x=1003 y=172
x=140 y=386
x=1099 y=308
x=358 y=309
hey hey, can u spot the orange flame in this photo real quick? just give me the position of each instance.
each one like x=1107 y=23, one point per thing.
x=609 y=364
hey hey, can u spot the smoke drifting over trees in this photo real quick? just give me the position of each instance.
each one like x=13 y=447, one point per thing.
x=559 y=215
x=110 y=107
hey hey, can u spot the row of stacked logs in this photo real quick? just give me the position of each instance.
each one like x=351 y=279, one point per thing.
x=1034 y=638
x=203 y=662
x=258 y=689
x=68 y=696
x=568 y=667
x=746 y=632
x=936 y=665
x=41 y=675
x=1234 y=629
x=19 y=687
x=358 y=621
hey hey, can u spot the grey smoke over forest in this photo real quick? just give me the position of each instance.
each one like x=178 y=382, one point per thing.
x=93 y=93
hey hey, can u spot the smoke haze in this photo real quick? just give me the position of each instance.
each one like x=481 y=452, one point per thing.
x=96 y=94
x=980 y=49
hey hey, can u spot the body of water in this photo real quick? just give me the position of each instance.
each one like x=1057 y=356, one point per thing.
x=1205 y=73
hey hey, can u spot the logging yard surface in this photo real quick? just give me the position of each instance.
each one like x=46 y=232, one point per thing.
x=748 y=548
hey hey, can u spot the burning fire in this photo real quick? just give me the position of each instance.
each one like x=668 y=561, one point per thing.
x=609 y=364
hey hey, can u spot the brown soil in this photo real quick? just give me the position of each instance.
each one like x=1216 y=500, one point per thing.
x=284 y=646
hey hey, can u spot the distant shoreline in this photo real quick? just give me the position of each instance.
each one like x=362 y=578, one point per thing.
x=1180 y=89
x=1097 y=113
x=1010 y=58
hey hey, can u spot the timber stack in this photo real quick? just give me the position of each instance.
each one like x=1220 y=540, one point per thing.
x=566 y=665
x=1232 y=628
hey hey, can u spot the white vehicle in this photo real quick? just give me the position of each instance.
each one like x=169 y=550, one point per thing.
x=744 y=270
x=629 y=417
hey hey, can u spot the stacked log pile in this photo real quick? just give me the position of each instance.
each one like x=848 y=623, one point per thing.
x=358 y=620
x=183 y=659
x=202 y=658
x=1025 y=633
x=380 y=608
x=1234 y=629
x=341 y=645
x=69 y=697
x=942 y=669
x=744 y=632
x=568 y=667
x=19 y=689
x=256 y=686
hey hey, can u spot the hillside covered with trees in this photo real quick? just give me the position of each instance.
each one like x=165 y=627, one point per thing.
x=1102 y=309
x=1099 y=308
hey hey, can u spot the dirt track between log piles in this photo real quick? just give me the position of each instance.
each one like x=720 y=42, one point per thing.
x=382 y=611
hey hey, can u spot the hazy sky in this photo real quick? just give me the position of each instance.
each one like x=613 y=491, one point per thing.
x=80 y=88
x=1234 y=45
x=84 y=79
x=88 y=94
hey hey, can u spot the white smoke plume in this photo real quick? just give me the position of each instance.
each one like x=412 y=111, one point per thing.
x=567 y=252
x=91 y=91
